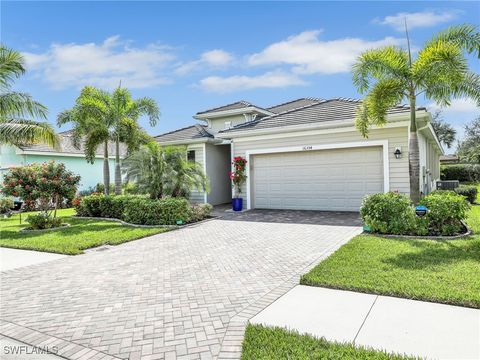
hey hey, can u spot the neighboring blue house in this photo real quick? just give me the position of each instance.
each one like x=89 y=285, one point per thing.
x=74 y=159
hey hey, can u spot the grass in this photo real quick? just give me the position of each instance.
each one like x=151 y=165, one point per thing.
x=81 y=235
x=277 y=343
x=439 y=271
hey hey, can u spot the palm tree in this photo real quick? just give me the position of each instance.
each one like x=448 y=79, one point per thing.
x=100 y=117
x=164 y=172
x=16 y=107
x=91 y=126
x=440 y=72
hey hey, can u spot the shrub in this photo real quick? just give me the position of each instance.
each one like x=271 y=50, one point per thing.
x=461 y=172
x=5 y=205
x=470 y=192
x=42 y=221
x=389 y=213
x=157 y=212
x=200 y=211
x=100 y=205
x=447 y=209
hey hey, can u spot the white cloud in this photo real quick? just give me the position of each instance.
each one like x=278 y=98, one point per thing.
x=418 y=19
x=104 y=65
x=310 y=55
x=212 y=58
x=457 y=106
x=274 y=79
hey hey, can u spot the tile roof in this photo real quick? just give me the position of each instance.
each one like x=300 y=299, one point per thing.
x=233 y=106
x=316 y=112
x=188 y=133
x=68 y=148
x=290 y=105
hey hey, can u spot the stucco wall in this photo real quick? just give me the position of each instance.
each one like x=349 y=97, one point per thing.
x=396 y=136
x=218 y=165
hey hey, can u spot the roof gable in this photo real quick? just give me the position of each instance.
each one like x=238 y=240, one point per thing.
x=194 y=132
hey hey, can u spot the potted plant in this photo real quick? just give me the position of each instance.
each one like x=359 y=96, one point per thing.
x=238 y=177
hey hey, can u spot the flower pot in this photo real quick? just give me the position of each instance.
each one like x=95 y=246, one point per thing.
x=237 y=204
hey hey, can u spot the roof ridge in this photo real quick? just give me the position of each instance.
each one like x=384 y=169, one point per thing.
x=174 y=131
x=243 y=102
x=292 y=101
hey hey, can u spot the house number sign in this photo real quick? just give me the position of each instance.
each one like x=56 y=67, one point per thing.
x=309 y=147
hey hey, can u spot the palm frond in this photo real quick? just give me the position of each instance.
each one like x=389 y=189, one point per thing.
x=21 y=131
x=17 y=104
x=377 y=64
x=443 y=93
x=11 y=66
x=147 y=106
x=465 y=36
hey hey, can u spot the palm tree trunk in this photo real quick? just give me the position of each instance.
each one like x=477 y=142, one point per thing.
x=414 y=155
x=106 y=170
x=118 y=175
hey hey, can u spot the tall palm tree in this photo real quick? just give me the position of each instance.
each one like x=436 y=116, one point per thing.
x=163 y=172
x=124 y=113
x=100 y=117
x=16 y=107
x=439 y=72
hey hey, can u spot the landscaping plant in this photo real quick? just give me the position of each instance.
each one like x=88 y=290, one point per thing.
x=461 y=172
x=6 y=204
x=238 y=176
x=470 y=192
x=45 y=186
x=439 y=72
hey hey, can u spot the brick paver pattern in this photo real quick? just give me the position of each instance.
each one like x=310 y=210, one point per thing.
x=169 y=296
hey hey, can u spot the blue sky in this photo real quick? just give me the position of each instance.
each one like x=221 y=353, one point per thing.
x=190 y=56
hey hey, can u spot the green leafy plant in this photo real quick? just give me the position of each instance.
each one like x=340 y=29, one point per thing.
x=446 y=211
x=461 y=172
x=45 y=185
x=43 y=221
x=439 y=72
x=238 y=176
x=167 y=211
x=201 y=212
x=470 y=192
x=6 y=204
x=99 y=205
x=389 y=213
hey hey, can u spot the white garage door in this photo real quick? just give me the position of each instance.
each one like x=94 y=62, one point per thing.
x=317 y=180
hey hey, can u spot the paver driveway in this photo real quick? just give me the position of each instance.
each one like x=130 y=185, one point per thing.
x=171 y=295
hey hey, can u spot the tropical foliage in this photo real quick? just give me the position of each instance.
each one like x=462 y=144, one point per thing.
x=439 y=72
x=99 y=117
x=164 y=171
x=44 y=186
x=17 y=108
x=469 y=148
x=444 y=131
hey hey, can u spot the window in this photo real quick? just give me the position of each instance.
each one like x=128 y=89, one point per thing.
x=191 y=155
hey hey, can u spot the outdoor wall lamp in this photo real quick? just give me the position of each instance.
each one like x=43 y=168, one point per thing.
x=398 y=153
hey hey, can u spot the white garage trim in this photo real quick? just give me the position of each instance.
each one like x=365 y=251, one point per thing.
x=357 y=144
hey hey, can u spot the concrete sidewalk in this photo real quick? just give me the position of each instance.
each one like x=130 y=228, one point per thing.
x=418 y=328
x=16 y=258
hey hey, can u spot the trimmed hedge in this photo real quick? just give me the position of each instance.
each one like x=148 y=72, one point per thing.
x=461 y=172
x=136 y=209
x=392 y=213
x=469 y=191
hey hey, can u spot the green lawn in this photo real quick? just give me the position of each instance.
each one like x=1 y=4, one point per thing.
x=439 y=271
x=81 y=235
x=276 y=343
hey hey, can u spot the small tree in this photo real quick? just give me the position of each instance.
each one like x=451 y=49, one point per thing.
x=46 y=185
x=238 y=176
x=469 y=148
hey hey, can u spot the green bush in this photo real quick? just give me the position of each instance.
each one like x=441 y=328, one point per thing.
x=100 y=205
x=200 y=212
x=157 y=212
x=470 y=192
x=43 y=220
x=6 y=204
x=389 y=213
x=461 y=172
x=446 y=212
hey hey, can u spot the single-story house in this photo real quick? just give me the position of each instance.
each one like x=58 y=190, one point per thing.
x=306 y=153
x=73 y=158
